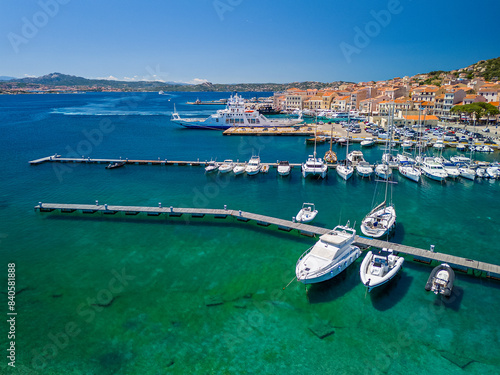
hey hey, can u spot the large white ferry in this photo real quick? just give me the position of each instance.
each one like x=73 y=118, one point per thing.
x=235 y=114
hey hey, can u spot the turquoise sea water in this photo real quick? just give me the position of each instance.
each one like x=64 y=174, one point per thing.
x=129 y=294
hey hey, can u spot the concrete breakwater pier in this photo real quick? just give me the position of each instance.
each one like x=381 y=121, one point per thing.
x=464 y=265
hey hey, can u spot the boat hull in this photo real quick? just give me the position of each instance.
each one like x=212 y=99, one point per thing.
x=374 y=281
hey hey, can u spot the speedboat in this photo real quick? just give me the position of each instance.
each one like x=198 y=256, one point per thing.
x=409 y=171
x=461 y=147
x=239 y=169
x=284 y=168
x=484 y=148
x=433 y=170
x=226 y=166
x=481 y=173
x=458 y=159
x=314 y=167
x=307 y=213
x=355 y=157
x=379 y=267
x=114 y=165
x=253 y=166
x=406 y=144
x=441 y=280
x=383 y=171
x=367 y=142
x=380 y=221
x=211 y=166
x=332 y=254
x=364 y=169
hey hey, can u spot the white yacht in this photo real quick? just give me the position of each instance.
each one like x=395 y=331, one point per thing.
x=390 y=159
x=407 y=144
x=211 y=166
x=379 y=267
x=239 y=168
x=458 y=159
x=493 y=171
x=284 y=168
x=345 y=169
x=307 y=213
x=380 y=221
x=364 y=169
x=433 y=170
x=253 y=166
x=409 y=171
x=234 y=115
x=332 y=254
x=355 y=157
x=226 y=166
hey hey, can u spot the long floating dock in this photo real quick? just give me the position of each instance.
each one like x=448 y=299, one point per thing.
x=477 y=268
x=58 y=159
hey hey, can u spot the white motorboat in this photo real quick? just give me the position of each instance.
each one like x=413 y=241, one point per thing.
x=379 y=267
x=355 y=157
x=409 y=171
x=234 y=115
x=383 y=171
x=253 y=166
x=451 y=169
x=493 y=171
x=226 y=166
x=239 y=169
x=481 y=173
x=484 y=148
x=367 y=142
x=467 y=172
x=441 y=280
x=307 y=213
x=461 y=147
x=439 y=145
x=405 y=145
x=405 y=158
x=284 y=168
x=332 y=254
x=211 y=166
x=364 y=169
x=433 y=170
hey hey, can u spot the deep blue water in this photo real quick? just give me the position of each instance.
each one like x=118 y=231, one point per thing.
x=158 y=321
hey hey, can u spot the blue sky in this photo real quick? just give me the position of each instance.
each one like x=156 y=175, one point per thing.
x=231 y=41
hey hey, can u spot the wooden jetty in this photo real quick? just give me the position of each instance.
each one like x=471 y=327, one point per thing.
x=477 y=268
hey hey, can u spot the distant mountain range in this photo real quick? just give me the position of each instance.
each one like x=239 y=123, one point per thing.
x=79 y=83
x=488 y=69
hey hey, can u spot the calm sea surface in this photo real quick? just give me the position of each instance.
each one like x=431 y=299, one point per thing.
x=129 y=294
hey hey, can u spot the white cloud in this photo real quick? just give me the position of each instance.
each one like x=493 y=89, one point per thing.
x=29 y=76
x=197 y=81
x=109 y=78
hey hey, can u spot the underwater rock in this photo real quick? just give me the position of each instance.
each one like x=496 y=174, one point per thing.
x=213 y=300
x=321 y=329
x=459 y=361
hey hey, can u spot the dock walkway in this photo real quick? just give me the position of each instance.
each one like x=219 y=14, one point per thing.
x=477 y=268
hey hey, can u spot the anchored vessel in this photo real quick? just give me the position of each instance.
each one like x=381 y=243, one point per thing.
x=379 y=267
x=441 y=280
x=307 y=213
x=332 y=254
x=235 y=114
